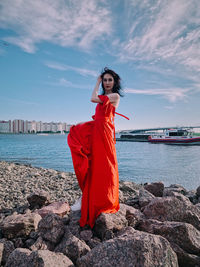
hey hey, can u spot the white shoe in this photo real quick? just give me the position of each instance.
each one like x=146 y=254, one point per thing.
x=77 y=205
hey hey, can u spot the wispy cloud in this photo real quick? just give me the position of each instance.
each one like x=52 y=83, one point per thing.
x=163 y=32
x=67 y=23
x=64 y=67
x=171 y=94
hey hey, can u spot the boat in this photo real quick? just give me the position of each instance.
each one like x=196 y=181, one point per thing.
x=177 y=136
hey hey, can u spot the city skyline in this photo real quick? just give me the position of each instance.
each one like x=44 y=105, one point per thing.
x=28 y=126
x=49 y=65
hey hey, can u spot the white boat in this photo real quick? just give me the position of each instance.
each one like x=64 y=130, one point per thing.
x=175 y=137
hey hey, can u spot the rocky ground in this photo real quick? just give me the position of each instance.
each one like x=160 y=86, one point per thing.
x=155 y=226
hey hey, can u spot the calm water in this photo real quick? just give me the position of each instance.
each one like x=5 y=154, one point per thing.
x=138 y=162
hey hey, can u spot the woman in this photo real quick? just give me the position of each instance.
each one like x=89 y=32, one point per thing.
x=93 y=152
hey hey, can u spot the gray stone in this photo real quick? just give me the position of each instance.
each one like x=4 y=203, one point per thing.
x=19 y=225
x=51 y=228
x=46 y=258
x=131 y=248
x=19 y=257
x=145 y=197
x=72 y=247
x=38 y=198
x=86 y=235
x=155 y=188
x=184 y=235
x=185 y=259
x=107 y=224
x=59 y=207
x=173 y=209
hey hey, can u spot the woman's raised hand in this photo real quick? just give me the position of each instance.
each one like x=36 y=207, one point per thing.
x=99 y=79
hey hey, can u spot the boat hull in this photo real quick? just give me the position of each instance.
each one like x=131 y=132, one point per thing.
x=175 y=141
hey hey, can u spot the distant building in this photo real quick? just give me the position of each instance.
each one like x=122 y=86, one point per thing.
x=5 y=126
x=21 y=126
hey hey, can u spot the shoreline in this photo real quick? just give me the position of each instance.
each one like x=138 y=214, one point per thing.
x=18 y=181
x=37 y=223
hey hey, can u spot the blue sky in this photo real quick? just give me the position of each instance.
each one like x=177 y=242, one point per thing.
x=51 y=53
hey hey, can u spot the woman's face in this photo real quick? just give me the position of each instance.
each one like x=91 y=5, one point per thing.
x=108 y=83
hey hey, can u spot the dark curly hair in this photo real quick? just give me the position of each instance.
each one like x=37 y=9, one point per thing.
x=117 y=81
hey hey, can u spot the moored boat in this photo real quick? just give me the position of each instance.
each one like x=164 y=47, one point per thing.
x=175 y=137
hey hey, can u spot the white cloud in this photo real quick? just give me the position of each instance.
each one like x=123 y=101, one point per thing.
x=164 y=30
x=171 y=94
x=63 y=67
x=67 y=23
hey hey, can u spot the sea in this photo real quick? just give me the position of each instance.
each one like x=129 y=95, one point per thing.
x=140 y=162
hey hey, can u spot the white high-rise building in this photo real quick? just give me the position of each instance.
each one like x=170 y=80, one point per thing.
x=18 y=126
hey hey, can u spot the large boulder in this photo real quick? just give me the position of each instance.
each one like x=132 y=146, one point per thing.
x=60 y=208
x=131 y=248
x=38 y=199
x=173 y=209
x=107 y=224
x=51 y=228
x=47 y=258
x=24 y=257
x=184 y=258
x=156 y=188
x=19 y=225
x=184 y=235
x=72 y=247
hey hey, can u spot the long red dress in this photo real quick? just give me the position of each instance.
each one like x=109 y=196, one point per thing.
x=95 y=163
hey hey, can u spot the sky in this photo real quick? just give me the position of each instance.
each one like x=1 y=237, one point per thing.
x=51 y=53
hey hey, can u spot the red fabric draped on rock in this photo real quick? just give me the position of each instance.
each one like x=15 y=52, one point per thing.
x=95 y=163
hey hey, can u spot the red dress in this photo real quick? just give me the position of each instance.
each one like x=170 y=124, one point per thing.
x=95 y=163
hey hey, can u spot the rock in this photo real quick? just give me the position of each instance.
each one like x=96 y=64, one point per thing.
x=173 y=209
x=198 y=191
x=8 y=248
x=131 y=248
x=130 y=193
x=19 y=257
x=24 y=257
x=72 y=247
x=86 y=235
x=145 y=197
x=47 y=258
x=41 y=244
x=19 y=225
x=18 y=242
x=38 y=199
x=169 y=193
x=191 y=195
x=60 y=208
x=93 y=242
x=74 y=225
x=184 y=235
x=176 y=188
x=155 y=189
x=107 y=224
x=51 y=228
x=184 y=258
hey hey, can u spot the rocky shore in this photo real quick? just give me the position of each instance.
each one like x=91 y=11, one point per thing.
x=155 y=226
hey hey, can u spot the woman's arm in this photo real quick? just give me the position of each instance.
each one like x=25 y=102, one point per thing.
x=94 y=97
x=114 y=99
